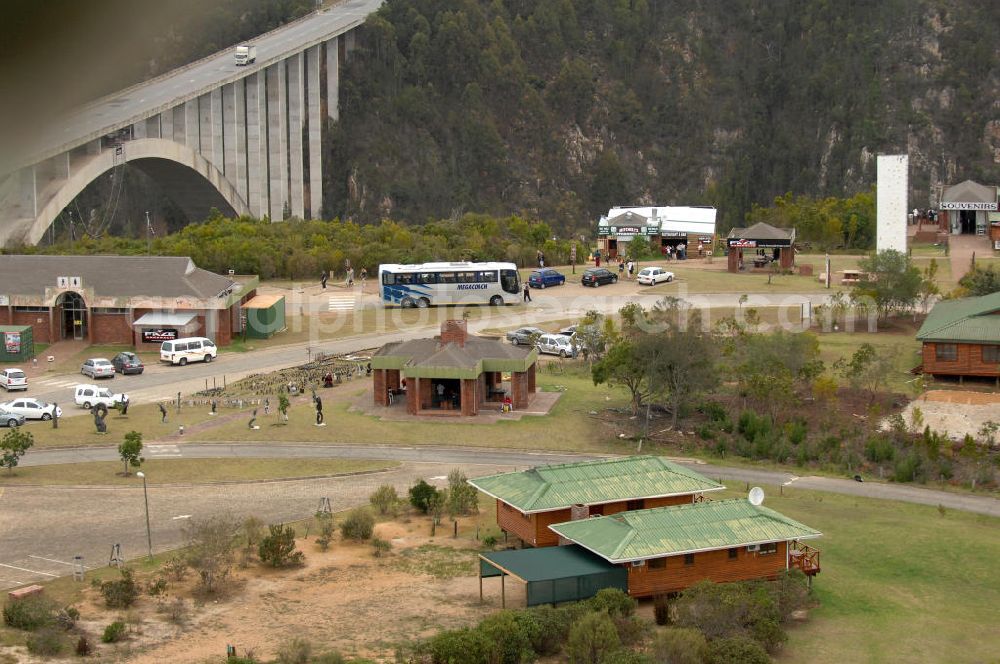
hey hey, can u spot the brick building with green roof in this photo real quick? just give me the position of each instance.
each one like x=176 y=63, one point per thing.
x=962 y=337
x=528 y=502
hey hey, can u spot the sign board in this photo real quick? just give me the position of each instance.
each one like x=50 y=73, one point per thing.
x=626 y=230
x=743 y=244
x=156 y=336
x=4 y=300
x=12 y=342
x=69 y=282
x=62 y=282
x=75 y=282
x=957 y=205
x=673 y=234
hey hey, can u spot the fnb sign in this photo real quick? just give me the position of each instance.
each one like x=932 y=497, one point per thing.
x=743 y=244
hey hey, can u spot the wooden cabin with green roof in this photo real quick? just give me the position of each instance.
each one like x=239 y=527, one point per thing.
x=530 y=501
x=962 y=337
x=668 y=549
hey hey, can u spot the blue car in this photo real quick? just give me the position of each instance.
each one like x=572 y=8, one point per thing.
x=546 y=277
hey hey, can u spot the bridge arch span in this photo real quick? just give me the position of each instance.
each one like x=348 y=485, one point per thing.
x=186 y=177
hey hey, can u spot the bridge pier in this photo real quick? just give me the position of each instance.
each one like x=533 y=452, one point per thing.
x=296 y=123
x=277 y=136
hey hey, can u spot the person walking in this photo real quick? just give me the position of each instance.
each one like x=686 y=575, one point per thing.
x=350 y=277
x=323 y=278
x=527 y=292
x=621 y=268
x=630 y=266
x=364 y=277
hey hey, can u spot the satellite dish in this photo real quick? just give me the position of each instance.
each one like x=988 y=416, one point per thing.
x=756 y=496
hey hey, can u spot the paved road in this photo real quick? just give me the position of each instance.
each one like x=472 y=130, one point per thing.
x=42 y=528
x=161 y=382
x=151 y=97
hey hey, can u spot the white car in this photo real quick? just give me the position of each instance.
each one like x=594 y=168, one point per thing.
x=32 y=409
x=556 y=344
x=653 y=275
x=89 y=396
x=13 y=379
x=98 y=367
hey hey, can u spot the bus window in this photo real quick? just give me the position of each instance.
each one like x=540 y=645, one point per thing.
x=509 y=281
x=466 y=277
x=404 y=279
x=447 y=277
x=388 y=278
x=427 y=278
x=489 y=277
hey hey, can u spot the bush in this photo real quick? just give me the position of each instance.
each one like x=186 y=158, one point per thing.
x=631 y=629
x=114 y=632
x=121 y=593
x=490 y=541
x=176 y=611
x=422 y=496
x=384 y=499
x=554 y=625
x=908 y=468
x=592 y=638
x=326 y=530
x=47 y=642
x=278 y=548
x=359 y=525
x=381 y=546
x=158 y=587
x=624 y=656
x=67 y=617
x=796 y=432
x=879 y=449
x=737 y=650
x=329 y=658
x=661 y=609
x=613 y=602
x=176 y=568
x=753 y=426
x=714 y=411
x=511 y=634
x=680 y=645
x=463 y=498
x=83 y=647
x=30 y=613
x=468 y=646
x=296 y=651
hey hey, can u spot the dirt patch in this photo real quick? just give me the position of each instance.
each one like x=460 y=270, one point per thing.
x=956 y=414
x=969 y=398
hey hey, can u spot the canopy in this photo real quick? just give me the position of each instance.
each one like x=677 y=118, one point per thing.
x=555 y=573
x=161 y=319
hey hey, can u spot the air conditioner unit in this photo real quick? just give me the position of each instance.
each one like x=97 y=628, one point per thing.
x=753 y=547
x=638 y=563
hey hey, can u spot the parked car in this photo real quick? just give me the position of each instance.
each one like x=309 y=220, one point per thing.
x=651 y=276
x=598 y=276
x=98 y=367
x=32 y=409
x=524 y=335
x=546 y=277
x=568 y=331
x=89 y=396
x=189 y=349
x=127 y=363
x=10 y=419
x=13 y=379
x=556 y=344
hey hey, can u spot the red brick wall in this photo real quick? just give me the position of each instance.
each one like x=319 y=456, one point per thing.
x=412 y=395
x=110 y=328
x=519 y=387
x=454 y=331
x=470 y=396
x=531 y=379
x=379 y=390
x=39 y=331
x=5 y=313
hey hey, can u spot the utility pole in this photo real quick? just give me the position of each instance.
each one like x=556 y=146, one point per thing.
x=71 y=233
x=149 y=232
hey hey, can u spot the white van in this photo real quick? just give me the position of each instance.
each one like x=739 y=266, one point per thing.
x=189 y=349
x=92 y=395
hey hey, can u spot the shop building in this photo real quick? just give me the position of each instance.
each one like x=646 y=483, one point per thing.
x=760 y=245
x=692 y=228
x=966 y=209
x=135 y=300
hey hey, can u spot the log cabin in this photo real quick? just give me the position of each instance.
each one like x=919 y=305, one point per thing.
x=665 y=550
x=961 y=337
x=529 y=502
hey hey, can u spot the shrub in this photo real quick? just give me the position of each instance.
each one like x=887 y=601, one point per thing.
x=158 y=587
x=47 y=642
x=330 y=658
x=326 y=530
x=737 y=650
x=553 y=628
x=592 y=638
x=83 y=647
x=613 y=602
x=908 y=468
x=384 y=499
x=296 y=651
x=176 y=611
x=422 y=496
x=490 y=541
x=680 y=645
x=468 y=646
x=511 y=634
x=176 y=568
x=661 y=609
x=630 y=629
x=29 y=613
x=121 y=593
x=381 y=546
x=796 y=432
x=211 y=547
x=879 y=449
x=67 y=617
x=463 y=498
x=359 y=525
x=625 y=656
x=752 y=426
x=278 y=548
x=114 y=632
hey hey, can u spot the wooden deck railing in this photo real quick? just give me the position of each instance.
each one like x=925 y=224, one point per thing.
x=804 y=557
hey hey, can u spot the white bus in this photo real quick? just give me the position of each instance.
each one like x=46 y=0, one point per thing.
x=449 y=283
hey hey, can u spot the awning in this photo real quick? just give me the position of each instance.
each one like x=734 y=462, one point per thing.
x=159 y=319
x=263 y=301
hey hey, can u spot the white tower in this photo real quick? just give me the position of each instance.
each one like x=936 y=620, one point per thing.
x=891 y=201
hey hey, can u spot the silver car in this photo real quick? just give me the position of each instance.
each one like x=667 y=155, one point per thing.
x=556 y=344
x=98 y=367
x=9 y=419
x=31 y=409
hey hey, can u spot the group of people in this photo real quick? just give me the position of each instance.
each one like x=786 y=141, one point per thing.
x=363 y=275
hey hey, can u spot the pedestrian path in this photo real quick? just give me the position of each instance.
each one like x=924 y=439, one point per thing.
x=163 y=451
x=343 y=302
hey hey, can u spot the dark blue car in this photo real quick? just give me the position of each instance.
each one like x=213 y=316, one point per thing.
x=546 y=277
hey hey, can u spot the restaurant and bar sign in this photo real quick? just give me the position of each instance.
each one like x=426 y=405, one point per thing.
x=156 y=336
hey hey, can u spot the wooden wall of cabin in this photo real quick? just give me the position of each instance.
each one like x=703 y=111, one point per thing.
x=968 y=361
x=715 y=566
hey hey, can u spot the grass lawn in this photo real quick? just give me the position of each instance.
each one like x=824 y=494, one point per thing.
x=837 y=345
x=696 y=280
x=899 y=582
x=189 y=471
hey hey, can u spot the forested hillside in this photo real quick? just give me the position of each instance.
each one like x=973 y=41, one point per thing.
x=557 y=109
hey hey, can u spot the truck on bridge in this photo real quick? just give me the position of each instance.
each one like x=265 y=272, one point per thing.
x=246 y=54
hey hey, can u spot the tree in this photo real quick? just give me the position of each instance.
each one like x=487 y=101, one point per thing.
x=868 y=368
x=463 y=498
x=981 y=281
x=638 y=250
x=623 y=365
x=211 y=545
x=770 y=367
x=278 y=548
x=928 y=284
x=283 y=404
x=592 y=638
x=15 y=444
x=130 y=451
x=384 y=499
x=890 y=281
x=422 y=496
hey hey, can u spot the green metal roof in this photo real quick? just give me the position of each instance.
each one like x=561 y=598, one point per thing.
x=670 y=531
x=968 y=320
x=543 y=564
x=548 y=488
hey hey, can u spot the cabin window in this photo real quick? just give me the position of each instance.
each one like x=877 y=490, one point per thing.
x=657 y=563
x=946 y=352
x=768 y=548
x=689 y=559
x=635 y=505
x=734 y=553
x=991 y=354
